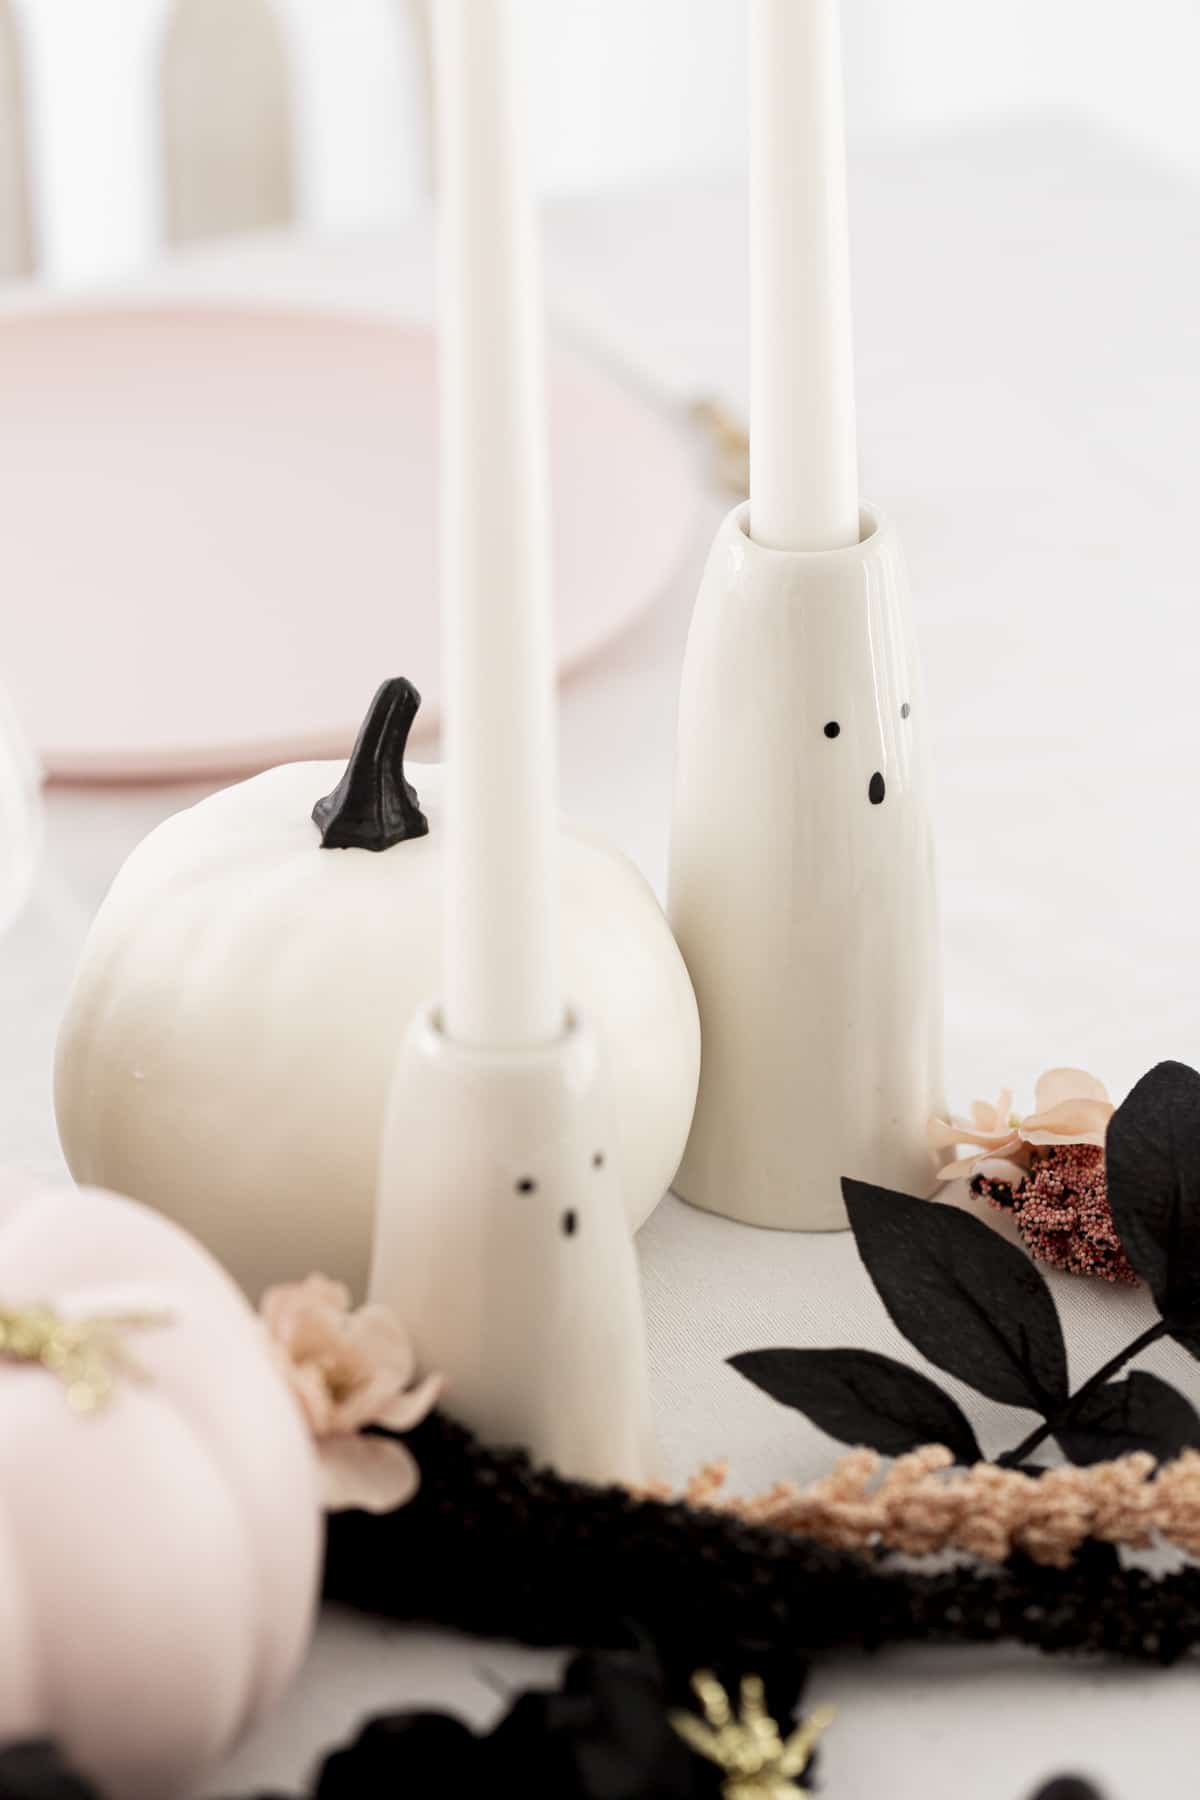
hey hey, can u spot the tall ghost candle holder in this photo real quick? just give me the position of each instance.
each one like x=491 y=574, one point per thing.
x=802 y=892
x=500 y=1227
x=803 y=889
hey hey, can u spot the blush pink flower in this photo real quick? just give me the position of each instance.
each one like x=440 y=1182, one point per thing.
x=1071 y=1107
x=350 y=1368
x=1048 y=1170
x=991 y=1131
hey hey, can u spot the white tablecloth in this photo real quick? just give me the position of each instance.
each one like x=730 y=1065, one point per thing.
x=1030 y=384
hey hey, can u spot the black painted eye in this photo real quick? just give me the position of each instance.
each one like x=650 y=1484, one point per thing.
x=526 y=1185
x=570 y=1222
x=905 y=710
x=598 y=1160
x=833 y=729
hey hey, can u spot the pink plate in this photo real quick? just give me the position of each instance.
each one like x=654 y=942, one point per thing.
x=218 y=529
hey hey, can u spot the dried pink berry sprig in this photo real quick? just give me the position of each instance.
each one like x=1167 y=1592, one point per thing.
x=1061 y=1209
x=1047 y=1169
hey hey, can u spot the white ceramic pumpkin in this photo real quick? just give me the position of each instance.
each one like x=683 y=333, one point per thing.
x=159 y=1554
x=242 y=999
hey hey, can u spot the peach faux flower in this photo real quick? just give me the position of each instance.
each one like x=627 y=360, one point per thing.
x=992 y=1131
x=350 y=1368
x=1071 y=1107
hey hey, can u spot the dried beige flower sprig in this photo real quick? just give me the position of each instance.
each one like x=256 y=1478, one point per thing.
x=920 y=1504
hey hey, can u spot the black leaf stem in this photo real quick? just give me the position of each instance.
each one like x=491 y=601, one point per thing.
x=1112 y=1367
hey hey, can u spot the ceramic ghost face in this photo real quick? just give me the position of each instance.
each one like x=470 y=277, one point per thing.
x=857 y=731
x=568 y=1319
x=877 y=785
x=501 y=1241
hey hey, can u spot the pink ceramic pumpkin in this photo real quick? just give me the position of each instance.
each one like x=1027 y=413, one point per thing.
x=159 y=1543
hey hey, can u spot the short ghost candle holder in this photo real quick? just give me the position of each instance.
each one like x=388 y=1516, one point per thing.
x=803 y=890
x=501 y=1241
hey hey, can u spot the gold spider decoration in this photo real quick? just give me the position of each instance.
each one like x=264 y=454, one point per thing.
x=757 y=1761
x=87 y=1355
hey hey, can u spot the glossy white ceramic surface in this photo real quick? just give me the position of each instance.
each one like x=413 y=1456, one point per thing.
x=803 y=890
x=501 y=1241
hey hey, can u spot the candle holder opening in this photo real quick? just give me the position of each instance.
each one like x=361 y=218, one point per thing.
x=870 y=523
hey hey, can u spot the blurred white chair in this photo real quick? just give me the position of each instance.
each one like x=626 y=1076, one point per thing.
x=16 y=243
x=226 y=120
x=20 y=782
x=128 y=125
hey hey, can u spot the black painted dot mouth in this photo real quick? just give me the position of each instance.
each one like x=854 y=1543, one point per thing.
x=877 y=789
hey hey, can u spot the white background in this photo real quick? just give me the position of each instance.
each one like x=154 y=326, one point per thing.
x=622 y=91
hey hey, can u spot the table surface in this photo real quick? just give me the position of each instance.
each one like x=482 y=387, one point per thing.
x=1029 y=376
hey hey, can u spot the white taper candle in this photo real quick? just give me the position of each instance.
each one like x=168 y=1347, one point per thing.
x=803 y=456
x=502 y=979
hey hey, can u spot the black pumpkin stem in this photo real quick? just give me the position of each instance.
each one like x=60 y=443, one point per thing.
x=373 y=806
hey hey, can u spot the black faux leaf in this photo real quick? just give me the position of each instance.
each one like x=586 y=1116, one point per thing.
x=605 y=1732
x=1068 y=1787
x=969 y=1301
x=423 y=1752
x=36 y=1770
x=1140 y=1413
x=860 y=1397
x=1152 y=1154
